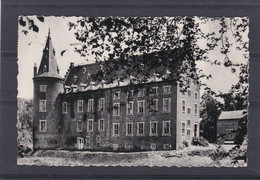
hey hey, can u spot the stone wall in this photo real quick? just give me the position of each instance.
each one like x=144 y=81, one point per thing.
x=50 y=138
x=183 y=117
x=123 y=142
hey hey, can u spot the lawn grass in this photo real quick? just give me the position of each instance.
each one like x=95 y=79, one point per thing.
x=192 y=156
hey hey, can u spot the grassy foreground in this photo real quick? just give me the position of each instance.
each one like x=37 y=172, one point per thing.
x=191 y=156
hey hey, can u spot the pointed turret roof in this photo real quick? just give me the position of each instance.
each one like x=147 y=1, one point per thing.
x=48 y=66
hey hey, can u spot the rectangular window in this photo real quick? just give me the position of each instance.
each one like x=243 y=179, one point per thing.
x=80 y=142
x=154 y=105
x=127 y=147
x=129 y=129
x=166 y=105
x=101 y=104
x=140 y=107
x=140 y=128
x=116 y=109
x=188 y=110
x=130 y=108
x=183 y=106
x=42 y=106
x=188 y=132
x=115 y=129
x=101 y=125
x=154 y=91
x=98 y=140
x=189 y=93
x=140 y=93
x=43 y=125
x=195 y=130
x=188 y=122
x=79 y=126
x=64 y=108
x=166 y=89
x=43 y=88
x=153 y=128
x=116 y=95
x=88 y=142
x=80 y=105
x=196 y=109
x=90 y=105
x=189 y=81
x=196 y=95
x=153 y=146
x=115 y=147
x=166 y=146
x=183 y=128
x=166 y=127
x=90 y=125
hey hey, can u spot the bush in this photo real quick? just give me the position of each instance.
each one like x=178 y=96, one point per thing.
x=23 y=151
x=219 y=153
x=239 y=152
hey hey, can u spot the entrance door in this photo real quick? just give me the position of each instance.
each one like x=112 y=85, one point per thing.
x=80 y=142
x=195 y=130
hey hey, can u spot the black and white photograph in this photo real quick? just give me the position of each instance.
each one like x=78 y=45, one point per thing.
x=132 y=91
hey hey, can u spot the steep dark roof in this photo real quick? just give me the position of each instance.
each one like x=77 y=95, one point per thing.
x=48 y=66
x=80 y=74
x=232 y=114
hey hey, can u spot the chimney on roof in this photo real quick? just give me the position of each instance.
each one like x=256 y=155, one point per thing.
x=35 y=69
x=71 y=65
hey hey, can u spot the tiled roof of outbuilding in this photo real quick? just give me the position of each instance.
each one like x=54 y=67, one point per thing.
x=232 y=114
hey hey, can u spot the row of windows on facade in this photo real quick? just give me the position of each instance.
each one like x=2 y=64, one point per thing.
x=129 y=127
x=141 y=92
x=184 y=108
x=153 y=105
x=80 y=144
x=116 y=127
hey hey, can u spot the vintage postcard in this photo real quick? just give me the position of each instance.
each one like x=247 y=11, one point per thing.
x=132 y=91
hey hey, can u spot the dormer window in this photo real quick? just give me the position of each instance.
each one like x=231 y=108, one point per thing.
x=84 y=70
x=155 y=76
x=66 y=89
x=132 y=79
x=75 y=78
x=88 y=76
x=167 y=74
x=74 y=88
x=43 y=88
x=45 y=68
x=91 y=84
x=82 y=86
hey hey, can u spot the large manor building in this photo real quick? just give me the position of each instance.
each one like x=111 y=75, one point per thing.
x=76 y=112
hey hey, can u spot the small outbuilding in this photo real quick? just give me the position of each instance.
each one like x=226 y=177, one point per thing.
x=228 y=125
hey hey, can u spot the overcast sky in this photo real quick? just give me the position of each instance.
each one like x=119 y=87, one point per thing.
x=30 y=49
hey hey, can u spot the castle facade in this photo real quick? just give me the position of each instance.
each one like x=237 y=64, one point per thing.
x=76 y=112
